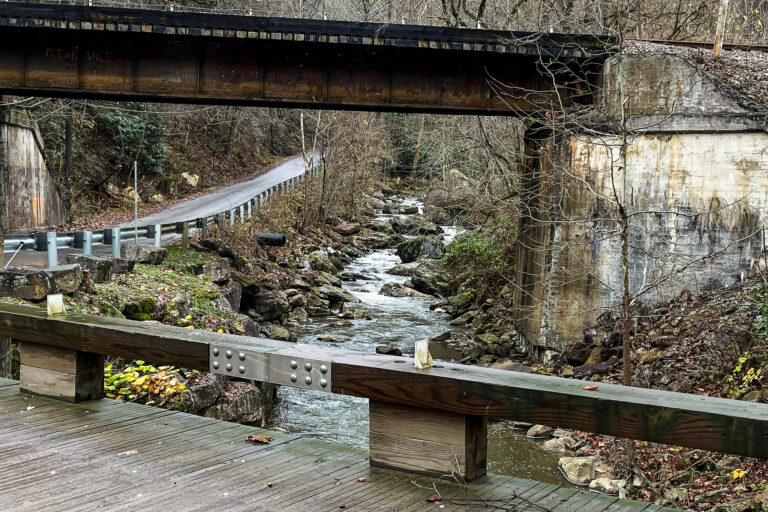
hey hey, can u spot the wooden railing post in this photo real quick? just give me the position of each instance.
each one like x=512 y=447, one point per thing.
x=428 y=442
x=71 y=375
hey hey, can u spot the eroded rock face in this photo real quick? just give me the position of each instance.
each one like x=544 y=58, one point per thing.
x=28 y=284
x=421 y=247
x=144 y=253
x=233 y=292
x=218 y=270
x=204 y=389
x=68 y=277
x=99 y=269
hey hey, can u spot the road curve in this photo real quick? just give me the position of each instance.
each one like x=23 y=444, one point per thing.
x=223 y=199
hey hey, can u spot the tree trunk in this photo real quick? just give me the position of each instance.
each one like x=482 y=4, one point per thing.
x=68 y=160
x=722 y=14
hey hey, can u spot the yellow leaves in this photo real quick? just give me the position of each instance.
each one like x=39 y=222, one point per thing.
x=221 y=331
x=190 y=327
x=738 y=473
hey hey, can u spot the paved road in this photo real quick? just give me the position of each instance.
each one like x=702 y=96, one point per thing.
x=209 y=204
x=225 y=198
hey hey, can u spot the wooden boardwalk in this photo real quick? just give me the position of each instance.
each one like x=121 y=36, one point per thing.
x=108 y=455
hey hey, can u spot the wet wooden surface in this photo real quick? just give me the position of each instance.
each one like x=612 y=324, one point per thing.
x=107 y=455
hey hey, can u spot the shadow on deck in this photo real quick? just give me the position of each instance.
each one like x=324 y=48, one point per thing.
x=111 y=455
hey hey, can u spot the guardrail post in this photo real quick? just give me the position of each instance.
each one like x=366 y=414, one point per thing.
x=41 y=241
x=70 y=375
x=204 y=226
x=399 y=434
x=53 y=253
x=185 y=235
x=158 y=233
x=87 y=242
x=115 y=242
x=250 y=208
x=107 y=236
x=77 y=240
x=231 y=217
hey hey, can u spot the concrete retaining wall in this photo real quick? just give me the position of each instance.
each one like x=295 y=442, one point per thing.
x=27 y=191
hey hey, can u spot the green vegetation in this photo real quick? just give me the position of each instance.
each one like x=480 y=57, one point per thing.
x=142 y=382
x=137 y=132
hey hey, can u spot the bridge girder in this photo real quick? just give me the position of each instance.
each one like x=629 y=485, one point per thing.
x=122 y=54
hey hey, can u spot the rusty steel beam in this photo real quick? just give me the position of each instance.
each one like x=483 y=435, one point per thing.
x=122 y=54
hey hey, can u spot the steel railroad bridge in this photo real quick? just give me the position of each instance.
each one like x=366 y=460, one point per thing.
x=122 y=54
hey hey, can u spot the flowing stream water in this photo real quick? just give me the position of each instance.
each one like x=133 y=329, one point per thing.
x=398 y=322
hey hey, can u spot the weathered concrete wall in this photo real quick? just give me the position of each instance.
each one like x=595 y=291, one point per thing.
x=696 y=190
x=662 y=85
x=28 y=194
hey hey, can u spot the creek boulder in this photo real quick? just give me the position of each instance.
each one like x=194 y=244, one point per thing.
x=28 y=284
x=388 y=350
x=429 y=279
x=409 y=209
x=122 y=266
x=399 y=290
x=414 y=225
x=607 y=485
x=240 y=402
x=276 y=332
x=334 y=294
x=539 y=431
x=144 y=253
x=404 y=269
x=99 y=269
x=334 y=338
x=269 y=305
x=348 y=228
x=321 y=262
x=299 y=316
x=140 y=308
x=421 y=247
x=579 y=470
x=68 y=278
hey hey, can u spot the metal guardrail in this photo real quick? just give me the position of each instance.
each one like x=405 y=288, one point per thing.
x=50 y=241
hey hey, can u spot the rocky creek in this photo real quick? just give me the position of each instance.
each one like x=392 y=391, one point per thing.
x=395 y=322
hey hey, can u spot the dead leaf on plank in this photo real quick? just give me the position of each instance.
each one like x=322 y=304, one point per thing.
x=128 y=452
x=259 y=439
x=362 y=479
x=435 y=498
x=591 y=388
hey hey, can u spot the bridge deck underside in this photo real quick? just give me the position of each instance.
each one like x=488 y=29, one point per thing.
x=116 y=456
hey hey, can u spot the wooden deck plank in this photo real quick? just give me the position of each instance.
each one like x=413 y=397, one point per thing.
x=195 y=463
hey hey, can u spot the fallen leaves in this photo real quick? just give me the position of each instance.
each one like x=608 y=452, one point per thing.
x=362 y=479
x=270 y=484
x=128 y=452
x=591 y=388
x=435 y=498
x=259 y=439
